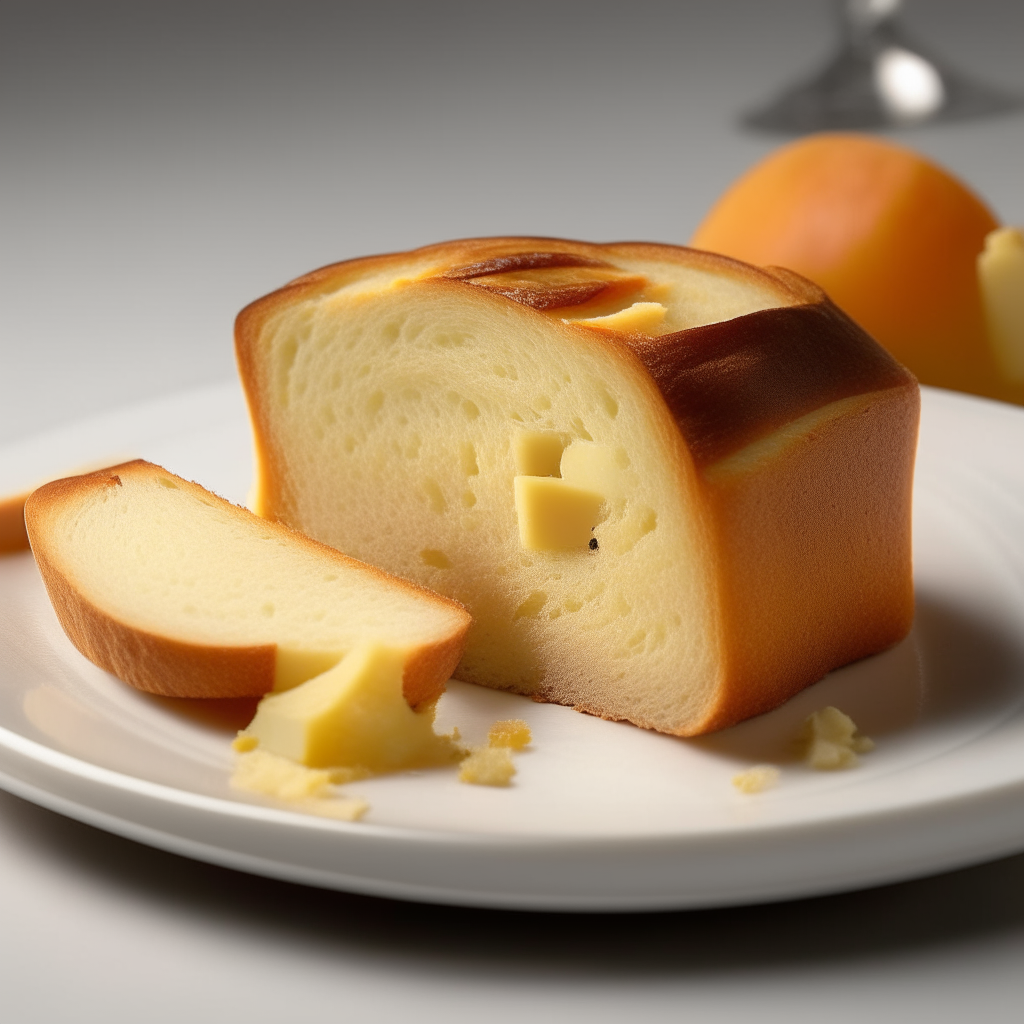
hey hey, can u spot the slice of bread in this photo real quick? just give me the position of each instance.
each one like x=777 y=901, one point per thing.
x=181 y=593
x=670 y=487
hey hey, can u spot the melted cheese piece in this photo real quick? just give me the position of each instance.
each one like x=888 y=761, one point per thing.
x=640 y=318
x=353 y=715
x=1001 y=278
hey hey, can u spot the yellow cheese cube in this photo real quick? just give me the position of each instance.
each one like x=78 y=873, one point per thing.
x=352 y=715
x=595 y=467
x=294 y=666
x=554 y=515
x=538 y=452
x=1001 y=277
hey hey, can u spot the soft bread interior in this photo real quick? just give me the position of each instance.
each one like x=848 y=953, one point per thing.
x=167 y=558
x=425 y=396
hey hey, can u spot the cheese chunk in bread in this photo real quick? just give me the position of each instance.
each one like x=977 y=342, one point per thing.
x=671 y=488
x=181 y=593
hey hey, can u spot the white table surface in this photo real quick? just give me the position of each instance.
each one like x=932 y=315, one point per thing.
x=163 y=164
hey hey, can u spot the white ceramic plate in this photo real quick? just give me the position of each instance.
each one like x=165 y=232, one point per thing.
x=602 y=815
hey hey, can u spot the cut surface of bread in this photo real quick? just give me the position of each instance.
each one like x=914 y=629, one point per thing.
x=181 y=593
x=671 y=488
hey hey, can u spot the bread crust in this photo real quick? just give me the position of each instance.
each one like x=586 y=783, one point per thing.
x=13 y=535
x=712 y=378
x=175 y=668
x=791 y=608
x=150 y=662
x=780 y=539
x=728 y=387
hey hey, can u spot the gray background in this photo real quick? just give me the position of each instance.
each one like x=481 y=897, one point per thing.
x=163 y=164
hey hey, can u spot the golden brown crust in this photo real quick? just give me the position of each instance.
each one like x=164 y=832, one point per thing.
x=174 y=668
x=814 y=554
x=729 y=383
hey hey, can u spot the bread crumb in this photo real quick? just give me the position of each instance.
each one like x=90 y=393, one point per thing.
x=830 y=742
x=243 y=742
x=513 y=733
x=488 y=766
x=339 y=808
x=757 y=779
x=492 y=765
x=261 y=772
x=258 y=771
x=350 y=773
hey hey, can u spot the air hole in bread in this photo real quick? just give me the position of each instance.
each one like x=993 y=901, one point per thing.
x=435 y=496
x=531 y=607
x=437 y=559
x=610 y=405
x=467 y=459
x=580 y=430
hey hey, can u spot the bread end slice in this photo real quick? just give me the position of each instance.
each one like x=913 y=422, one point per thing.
x=180 y=593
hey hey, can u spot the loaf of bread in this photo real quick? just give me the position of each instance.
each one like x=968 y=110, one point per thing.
x=671 y=488
x=181 y=593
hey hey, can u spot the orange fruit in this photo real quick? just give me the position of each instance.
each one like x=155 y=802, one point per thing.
x=892 y=238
